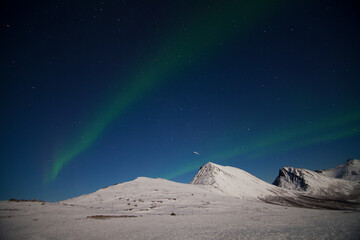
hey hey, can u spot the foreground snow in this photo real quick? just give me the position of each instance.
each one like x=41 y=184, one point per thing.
x=159 y=209
x=242 y=219
x=221 y=203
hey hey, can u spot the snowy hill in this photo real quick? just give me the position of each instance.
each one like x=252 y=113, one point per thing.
x=221 y=203
x=318 y=184
x=330 y=193
x=348 y=171
x=234 y=182
x=148 y=196
x=211 y=183
x=218 y=187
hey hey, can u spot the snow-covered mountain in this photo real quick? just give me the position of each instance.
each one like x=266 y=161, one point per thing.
x=221 y=203
x=147 y=208
x=317 y=191
x=214 y=185
x=348 y=171
x=234 y=182
x=321 y=183
x=212 y=182
x=149 y=196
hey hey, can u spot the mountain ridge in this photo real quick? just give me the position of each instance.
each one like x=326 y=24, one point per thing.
x=213 y=182
x=333 y=183
x=348 y=171
x=234 y=181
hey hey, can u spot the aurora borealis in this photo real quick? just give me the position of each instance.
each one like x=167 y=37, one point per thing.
x=283 y=140
x=178 y=52
x=110 y=91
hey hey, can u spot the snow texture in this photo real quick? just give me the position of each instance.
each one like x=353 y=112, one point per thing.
x=221 y=203
x=234 y=182
x=348 y=171
x=330 y=184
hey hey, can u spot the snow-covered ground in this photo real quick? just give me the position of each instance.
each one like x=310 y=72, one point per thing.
x=221 y=203
x=206 y=218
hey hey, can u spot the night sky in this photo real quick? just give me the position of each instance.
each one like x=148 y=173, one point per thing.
x=95 y=93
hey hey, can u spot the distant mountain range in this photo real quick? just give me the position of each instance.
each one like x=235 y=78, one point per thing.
x=348 y=171
x=340 y=182
x=336 y=188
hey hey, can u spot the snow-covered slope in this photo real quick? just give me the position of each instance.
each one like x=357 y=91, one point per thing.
x=214 y=187
x=235 y=182
x=213 y=207
x=317 y=184
x=348 y=171
x=148 y=196
x=223 y=218
x=212 y=182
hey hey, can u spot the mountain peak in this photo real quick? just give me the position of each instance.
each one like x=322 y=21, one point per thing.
x=338 y=182
x=349 y=171
x=233 y=181
x=211 y=164
x=353 y=162
x=206 y=174
x=292 y=178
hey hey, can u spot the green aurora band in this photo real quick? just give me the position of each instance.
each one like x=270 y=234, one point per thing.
x=206 y=31
x=286 y=139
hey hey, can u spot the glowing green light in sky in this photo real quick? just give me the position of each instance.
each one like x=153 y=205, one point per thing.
x=205 y=32
x=288 y=138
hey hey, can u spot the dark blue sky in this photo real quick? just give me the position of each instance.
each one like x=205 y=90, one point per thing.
x=100 y=92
